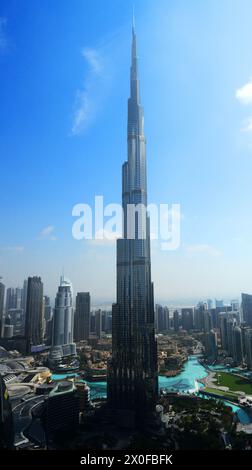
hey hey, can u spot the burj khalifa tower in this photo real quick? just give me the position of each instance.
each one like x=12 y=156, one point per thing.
x=132 y=371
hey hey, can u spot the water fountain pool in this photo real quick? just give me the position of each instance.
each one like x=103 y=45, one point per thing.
x=185 y=382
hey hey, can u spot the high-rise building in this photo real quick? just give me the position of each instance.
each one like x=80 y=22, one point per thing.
x=219 y=303
x=98 y=323
x=235 y=305
x=47 y=308
x=209 y=304
x=49 y=332
x=61 y=411
x=159 y=318
x=10 y=299
x=187 y=318
x=92 y=322
x=162 y=318
x=230 y=342
x=13 y=298
x=132 y=372
x=248 y=347
x=63 y=314
x=34 y=313
x=18 y=297
x=211 y=345
x=199 y=317
x=247 y=309
x=47 y=320
x=227 y=322
x=2 y=292
x=223 y=330
x=237 y=345
x=106 y=321
x=24 y=295
x=82 y=316
x=234 y=339
x=214 y=317
x=167 y=318
x=176 y=322
x=24 y=300
x=207 y=321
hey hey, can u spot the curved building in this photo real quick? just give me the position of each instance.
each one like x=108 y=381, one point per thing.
x=63 y=314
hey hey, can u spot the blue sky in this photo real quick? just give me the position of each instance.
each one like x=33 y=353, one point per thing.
x=64 y=84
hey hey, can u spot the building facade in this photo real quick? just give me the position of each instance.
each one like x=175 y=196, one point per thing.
x=2 y=292
x=247 y=309
x=98 y=323
x=82 y=316
x=187 y=318
x=63 y=314
x=34 y=313
x=132 y=372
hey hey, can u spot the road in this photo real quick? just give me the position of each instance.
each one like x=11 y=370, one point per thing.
x=22 y=416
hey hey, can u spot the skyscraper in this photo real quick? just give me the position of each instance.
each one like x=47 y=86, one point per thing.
x=207 y=321
x=47 y=320
x=34 y=313
x=162 y=318
x=248 y=347
x=187 y=318
x=219 y=303
x=2 y=291
x=247 y=309
x=98 y=323
x=13 y=298
x=176 y=322
x=63 y=314
x=82 y=316
x=24 y=295
x=199 y=317
x=211 y=345
x=47 y=308
x=238 y=353
x=132 y=372
x=209 y=304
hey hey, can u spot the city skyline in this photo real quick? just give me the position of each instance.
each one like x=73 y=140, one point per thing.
x=125 y=235
x=201 y=140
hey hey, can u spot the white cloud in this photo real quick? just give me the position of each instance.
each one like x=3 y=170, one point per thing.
x=47 y=233
x=94 y=60
x=3 y=37
x=203 y=249
x=247 y=125
x=87 y=98
x=244 y=94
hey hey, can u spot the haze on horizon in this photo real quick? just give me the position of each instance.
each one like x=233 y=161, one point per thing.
x=64 y=90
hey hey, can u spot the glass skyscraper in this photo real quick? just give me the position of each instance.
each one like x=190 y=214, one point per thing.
x=132 y=371
x=34 y=313
x=63 y=314
x=247 y=309
x=82 y=316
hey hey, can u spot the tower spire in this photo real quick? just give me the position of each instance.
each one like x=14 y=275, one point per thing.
x=134 y=64
x=133 y=19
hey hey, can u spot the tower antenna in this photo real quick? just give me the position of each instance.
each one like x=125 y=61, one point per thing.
x=133 y=17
